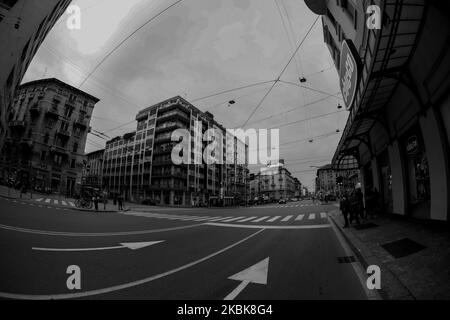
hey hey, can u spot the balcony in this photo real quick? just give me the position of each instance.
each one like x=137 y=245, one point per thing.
x=35 y=109
x=173 y=115
x=82 y=123
x=17 y=124
x=64 y=133
x=52 y=112
x=58 y=149
x=57 y=98
x=169 y=126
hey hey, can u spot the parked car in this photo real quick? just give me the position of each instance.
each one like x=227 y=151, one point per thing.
x=282 y=201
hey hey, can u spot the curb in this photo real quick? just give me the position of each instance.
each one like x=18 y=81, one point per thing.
x=100 y=211
x=366 y=258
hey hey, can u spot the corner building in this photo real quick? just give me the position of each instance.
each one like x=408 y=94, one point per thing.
x=398 y=130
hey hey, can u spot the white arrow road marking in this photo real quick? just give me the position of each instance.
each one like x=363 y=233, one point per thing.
x=125 y=285
x=255 y=274
x=128 y=245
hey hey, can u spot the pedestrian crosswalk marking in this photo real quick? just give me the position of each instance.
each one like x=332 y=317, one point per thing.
x=300 y=217
x=72 y=204
x=232 y=219
x=260 y=219
x=47 y=200
x=247 y=219
x=220 y=218
x=64 y=203
x=55 y=202
x=39 y=200
x=323 y=215
x=312 y=216
x=274 y=219
x=287 y=218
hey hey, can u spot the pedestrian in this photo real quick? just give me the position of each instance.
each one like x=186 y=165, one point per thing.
x=353 y=208
x=115 y=198
x=105 y=199
x=359 y=199
x=95 y=199
x=345 y=209
x=120 y=202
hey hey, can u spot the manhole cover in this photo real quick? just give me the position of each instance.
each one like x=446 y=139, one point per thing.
x=348 y=259
x=402 y=248
x=366 y=226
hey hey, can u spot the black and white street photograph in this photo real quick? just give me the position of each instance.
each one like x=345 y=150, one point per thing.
x=225 y=156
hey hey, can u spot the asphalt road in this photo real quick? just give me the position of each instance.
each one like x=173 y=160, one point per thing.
x=293 y=249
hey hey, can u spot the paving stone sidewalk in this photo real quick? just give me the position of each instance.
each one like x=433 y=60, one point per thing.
x=417 y=265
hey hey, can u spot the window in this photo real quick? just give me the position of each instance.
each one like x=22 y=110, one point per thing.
x=75 y=147
x=350 y=9
x=43 y=155
x=72 y=163
x=46 y=138
x=57 y=159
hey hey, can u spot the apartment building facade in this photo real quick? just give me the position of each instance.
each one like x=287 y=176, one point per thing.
x=273 y=183
x=92 y=171
x=398 y=129
x=327 y=181
x=25 y=24
x=46 y=136
x=140 y=166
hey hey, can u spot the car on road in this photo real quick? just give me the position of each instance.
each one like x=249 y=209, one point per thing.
x=282 y=201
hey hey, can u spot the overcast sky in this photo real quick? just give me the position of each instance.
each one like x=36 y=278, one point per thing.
x=198 y=48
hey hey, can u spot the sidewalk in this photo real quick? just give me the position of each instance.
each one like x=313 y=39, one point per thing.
x=413 y=255
x=57 y=200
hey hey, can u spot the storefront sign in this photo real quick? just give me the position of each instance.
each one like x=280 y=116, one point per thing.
x=412 y=145
x=350 y=72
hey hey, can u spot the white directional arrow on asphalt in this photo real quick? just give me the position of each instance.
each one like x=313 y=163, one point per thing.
x=255 y=274
x=127 y=245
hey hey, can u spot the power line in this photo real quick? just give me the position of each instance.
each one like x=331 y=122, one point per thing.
x=125 y=39
x=312 y=89
x=282 y=72
x=305 y=119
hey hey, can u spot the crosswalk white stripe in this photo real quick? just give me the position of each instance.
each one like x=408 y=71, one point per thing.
x=232 y=219
x=287 y=218
x=260 y=219
x=39 y=200
x=296 y=205
x=202 y=219
x=221 y=218
x=247 y=219
x=47 y=200
x=72 y=204
x=323 y=215
x=312 y=216
x=274 y=218
x=55 y=201
x=64 y=203
x=300 y=217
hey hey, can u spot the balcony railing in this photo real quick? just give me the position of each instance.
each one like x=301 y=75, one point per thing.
x=52 y=112
x=64 y=133
x=81 y=123
x=17 y=124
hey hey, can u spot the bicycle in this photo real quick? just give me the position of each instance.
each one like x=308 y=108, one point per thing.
x=83 y=203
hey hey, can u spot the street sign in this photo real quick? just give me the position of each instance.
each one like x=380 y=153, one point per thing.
x=412 y=145
x=350 y=72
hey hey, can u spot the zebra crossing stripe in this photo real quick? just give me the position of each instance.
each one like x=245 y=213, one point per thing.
x=39 y=200
x=232 y=219
x=64 y=203
x=55 y=201
x=274 y=219
x=247 y=219
x=72 y=204
x=312 y=216
x=220 y=218
x=287 y=218
x=47 y=200
x=323 y=215
x=260 y=219
x=300 y=217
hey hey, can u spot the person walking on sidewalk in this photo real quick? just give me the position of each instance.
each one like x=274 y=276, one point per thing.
x=120 y=202
x=353 y=208
x=359 y=204
x=345 y=208
x=95 y=199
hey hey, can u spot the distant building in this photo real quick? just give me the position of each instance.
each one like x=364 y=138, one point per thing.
x=24 y=24
x=92 y=173
x=274 y=182
x=139 y=164
x=327 y=180
x=46 y=135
